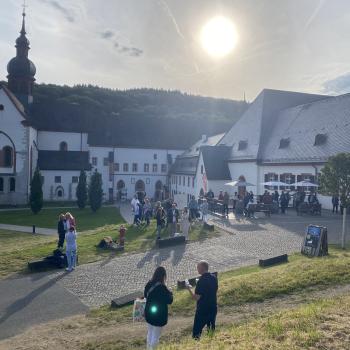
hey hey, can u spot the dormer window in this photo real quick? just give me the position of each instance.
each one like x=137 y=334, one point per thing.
x=242 y=145
x=284 y=143
x=320 y=139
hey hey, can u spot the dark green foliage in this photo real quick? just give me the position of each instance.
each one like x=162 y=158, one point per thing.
x=81 y=108
x=81 y=191
x=36 y=193
x=95 y=191
x=335 y=178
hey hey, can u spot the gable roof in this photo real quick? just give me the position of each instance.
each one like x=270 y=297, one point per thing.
x=215 y=162
x=204 y=141
x=17 y=104
x=302 y=123
x=256 y=123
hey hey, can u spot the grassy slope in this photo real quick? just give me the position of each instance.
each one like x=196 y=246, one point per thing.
x=319 y=325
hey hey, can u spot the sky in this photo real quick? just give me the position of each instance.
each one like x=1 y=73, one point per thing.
x=299 y=45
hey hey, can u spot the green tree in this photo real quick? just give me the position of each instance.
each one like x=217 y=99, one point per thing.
x=335 y=180
x=36 y=193
x=95 y=191
x=81 y=191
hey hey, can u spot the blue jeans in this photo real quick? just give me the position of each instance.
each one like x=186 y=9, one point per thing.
x=71 y=258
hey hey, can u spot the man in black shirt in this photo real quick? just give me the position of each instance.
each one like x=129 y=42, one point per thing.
x=205 y=296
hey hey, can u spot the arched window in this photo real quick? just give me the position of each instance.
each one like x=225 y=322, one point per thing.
x=1 y=184
x=139 y=186
x=7 y=156
x=159 y=185
x=63 y=146
x=12 y=184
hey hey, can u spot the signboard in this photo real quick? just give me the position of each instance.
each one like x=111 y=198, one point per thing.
x=315 y=241
x=181 y=200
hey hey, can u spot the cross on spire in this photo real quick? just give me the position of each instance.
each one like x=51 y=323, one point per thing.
x=23 y=30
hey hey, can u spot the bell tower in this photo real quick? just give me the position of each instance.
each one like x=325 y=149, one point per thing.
x=21 y=70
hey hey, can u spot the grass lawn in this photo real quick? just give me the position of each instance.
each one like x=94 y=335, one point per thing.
x=48 y=218
x=16 y=249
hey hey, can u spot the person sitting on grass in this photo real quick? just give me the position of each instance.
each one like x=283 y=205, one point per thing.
x=71 y=248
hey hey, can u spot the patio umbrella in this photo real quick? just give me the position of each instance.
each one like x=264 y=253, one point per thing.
x=304 y=184
x=274 y=183
x=239 y=184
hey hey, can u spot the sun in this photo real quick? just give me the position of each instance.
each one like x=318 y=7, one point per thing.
x=219 y=37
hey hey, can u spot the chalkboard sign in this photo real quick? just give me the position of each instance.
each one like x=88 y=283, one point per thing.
x=315 y=241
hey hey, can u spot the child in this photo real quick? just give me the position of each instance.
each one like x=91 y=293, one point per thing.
x=122 y=231
x=71 y=248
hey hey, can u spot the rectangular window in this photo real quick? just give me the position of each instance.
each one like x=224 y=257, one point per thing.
x=105 y=161
x=146 y=168
x=125 y=167
x=57 y=179
x=155 y=156
x=155 y=168
x=188 y=181
x=116 y=167
x=202 y=169
x=183 y=181
x=192 y=181
x=12 y=184
x=75 y=179
x=134 y=167
x=110 y=177
x=94 y=161
x=1 y=184
x=163 y=168
x=148 y=181
x=132 y=180
x=111 y=157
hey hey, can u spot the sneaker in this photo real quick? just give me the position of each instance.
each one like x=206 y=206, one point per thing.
x=68 y=269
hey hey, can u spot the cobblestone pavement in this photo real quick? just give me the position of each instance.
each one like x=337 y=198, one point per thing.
x=242 y=243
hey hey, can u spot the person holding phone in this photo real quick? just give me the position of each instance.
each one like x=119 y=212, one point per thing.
x=205 y=295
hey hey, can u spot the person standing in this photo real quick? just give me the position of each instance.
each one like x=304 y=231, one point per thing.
x=71 y=248
x=226 y=201
x=173 y=218
x=204 y=209
x=193 y=206
x=335 y=202
x=134 y=207
x=61 y=230
x=147 y=211
x=160 y=220
x=220 y=196
x=185 y=222
x=205 y=295
x=70 y=221
x=158 y=297
x=283 y=202
x=122 y=232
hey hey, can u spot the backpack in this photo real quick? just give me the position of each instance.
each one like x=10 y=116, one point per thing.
x=138 y=312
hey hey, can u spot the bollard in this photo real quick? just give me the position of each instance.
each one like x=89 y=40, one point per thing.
x=33 y=229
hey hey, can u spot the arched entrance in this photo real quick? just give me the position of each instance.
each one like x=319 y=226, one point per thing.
x=158 y=195
x=140 y=189
x=121 y=191
x=59 y=193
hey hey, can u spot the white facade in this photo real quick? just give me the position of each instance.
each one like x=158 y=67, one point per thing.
x=52 y=141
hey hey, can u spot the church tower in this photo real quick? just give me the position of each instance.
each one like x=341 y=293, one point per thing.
x=21 y=70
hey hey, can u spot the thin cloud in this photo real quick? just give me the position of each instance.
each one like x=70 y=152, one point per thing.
x=172 y=17
x=131 y=51
x=314 y=14
x=108 y=34
x=338 y=85
x=69 y=16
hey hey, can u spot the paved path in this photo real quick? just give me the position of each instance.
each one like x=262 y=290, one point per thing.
x=34 y=299
x=28 y=229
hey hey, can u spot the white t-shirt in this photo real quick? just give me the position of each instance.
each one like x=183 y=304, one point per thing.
x=71 y=240
x=134 y=203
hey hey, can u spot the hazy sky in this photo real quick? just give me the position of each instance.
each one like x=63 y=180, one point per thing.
x=300 y=45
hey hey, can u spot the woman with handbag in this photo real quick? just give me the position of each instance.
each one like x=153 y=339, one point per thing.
x=158 y=297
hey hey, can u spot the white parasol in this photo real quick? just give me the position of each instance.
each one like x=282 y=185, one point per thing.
x=304 y=184
x=274 y=183
x=239 y=184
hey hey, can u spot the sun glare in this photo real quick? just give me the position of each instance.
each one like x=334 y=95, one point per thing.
x=219 y=37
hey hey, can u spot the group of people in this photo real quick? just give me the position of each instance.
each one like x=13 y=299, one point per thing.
x=66 y=229
x=142 y=210
x=159 y=296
